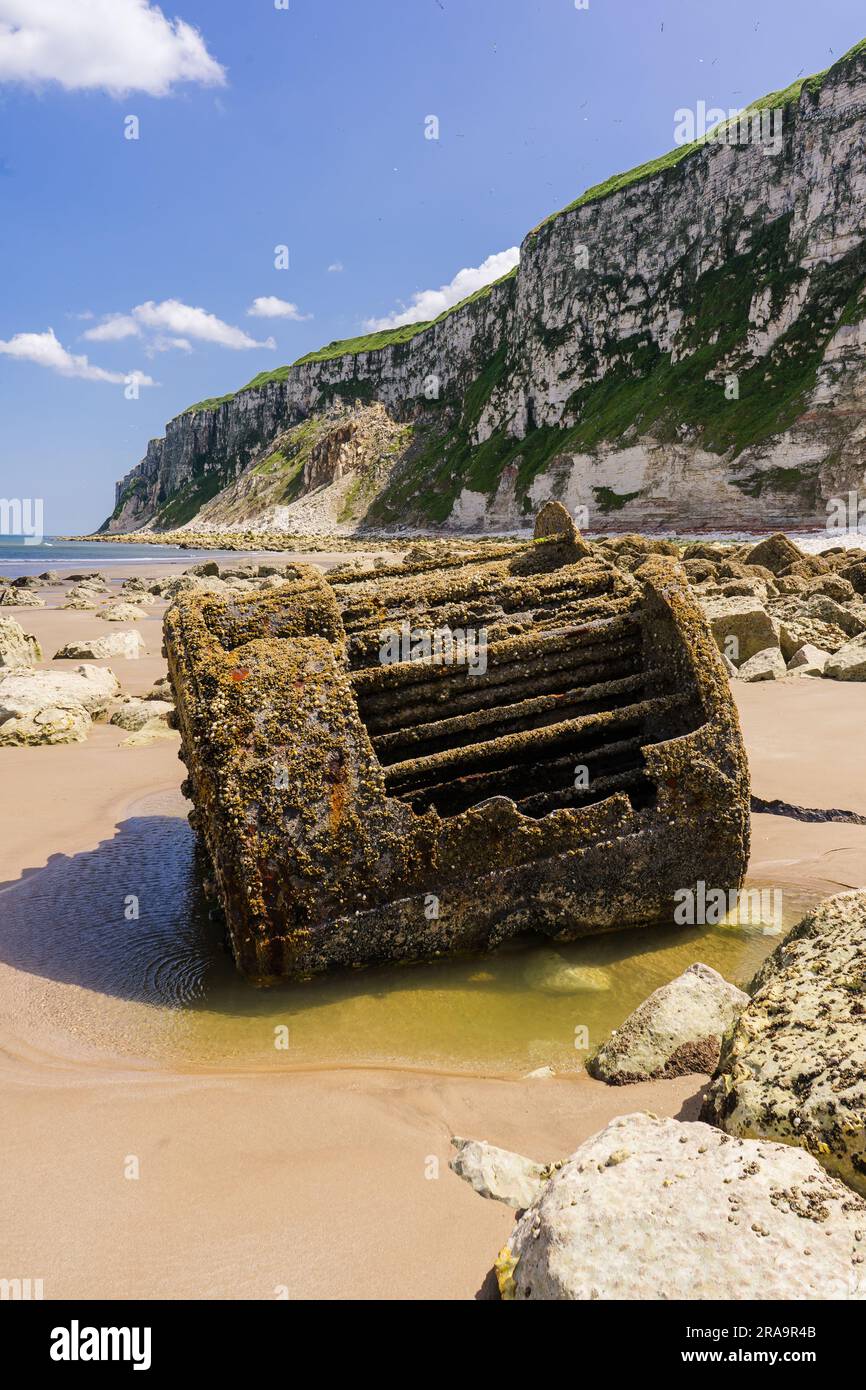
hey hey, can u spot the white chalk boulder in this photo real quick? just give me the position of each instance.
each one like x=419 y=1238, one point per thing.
x=17 y=647
x=129 y=645
x=656 y=1209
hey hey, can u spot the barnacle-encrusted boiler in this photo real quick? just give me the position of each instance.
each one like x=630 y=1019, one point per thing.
x=356 y=812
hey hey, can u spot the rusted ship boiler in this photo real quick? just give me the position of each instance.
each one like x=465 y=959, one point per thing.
x=360 y=807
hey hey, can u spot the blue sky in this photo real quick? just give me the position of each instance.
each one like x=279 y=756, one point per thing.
x=304 y=127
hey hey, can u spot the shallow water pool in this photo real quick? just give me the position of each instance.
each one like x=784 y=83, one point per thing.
x=83 y=975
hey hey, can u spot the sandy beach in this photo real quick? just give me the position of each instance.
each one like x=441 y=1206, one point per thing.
x=288 y=1179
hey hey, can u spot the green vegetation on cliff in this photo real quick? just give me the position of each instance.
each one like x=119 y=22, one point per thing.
x=645 y=392
x=351 y=347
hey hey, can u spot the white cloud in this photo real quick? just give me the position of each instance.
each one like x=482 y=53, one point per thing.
x=186 y=321
x=336 y=267
x=117 y=46
x=113 y=328
x=428 y=304
x=164 y=343
x=267 y=306
x=173 y=325
x=46 y=350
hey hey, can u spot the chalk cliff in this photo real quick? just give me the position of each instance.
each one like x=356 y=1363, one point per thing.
x=684 y=346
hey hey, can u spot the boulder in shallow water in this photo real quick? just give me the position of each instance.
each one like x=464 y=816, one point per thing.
x=676 y=1031
x=656 y=1209
x=794 y=1065
x=551 y=973
x=17 y=647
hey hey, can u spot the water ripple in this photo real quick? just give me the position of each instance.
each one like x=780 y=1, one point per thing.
x=124 y=919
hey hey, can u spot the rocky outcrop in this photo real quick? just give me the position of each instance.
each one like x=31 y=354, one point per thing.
x=129 y=645
x=685 y=345
x=655 y=1209
x=17 y=647
x=849 y=662
x=121 y=613
x=19 y=597
x=53 y=707
x=676 y=1031
x=134 y=715
x=793 y=1067
x=793 y=619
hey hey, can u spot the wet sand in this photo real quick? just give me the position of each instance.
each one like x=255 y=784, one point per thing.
x=317 y=1181
x=323 y=1184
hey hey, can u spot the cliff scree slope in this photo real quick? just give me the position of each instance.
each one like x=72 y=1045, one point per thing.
x=598 y=373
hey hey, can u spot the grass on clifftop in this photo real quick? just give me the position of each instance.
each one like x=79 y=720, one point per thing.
x=772 y=101
x=351 y=347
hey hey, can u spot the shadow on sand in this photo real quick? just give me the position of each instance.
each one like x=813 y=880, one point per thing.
x=74 y=921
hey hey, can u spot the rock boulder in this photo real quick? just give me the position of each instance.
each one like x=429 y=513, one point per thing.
x=121 y=613
x=775 y=553
x=768 y=665
x=849 y=662
x=53 y=706
x=498 y=1173
x=676 y=1031
x=126 y=644
x=17 y=647
x=655 y=1209
x=741 y=627
x=134 y=714
x=793 y=1067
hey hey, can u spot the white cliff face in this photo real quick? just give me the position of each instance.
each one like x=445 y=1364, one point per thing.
x=687 y=351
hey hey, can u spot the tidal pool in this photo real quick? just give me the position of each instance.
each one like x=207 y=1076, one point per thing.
x=109 y=954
